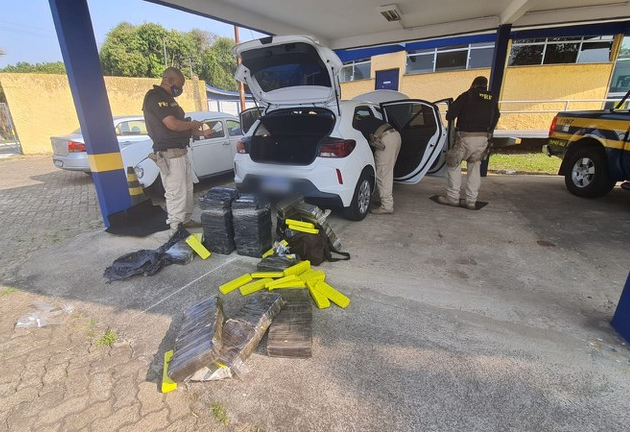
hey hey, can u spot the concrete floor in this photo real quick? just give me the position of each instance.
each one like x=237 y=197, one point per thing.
x=460 y=320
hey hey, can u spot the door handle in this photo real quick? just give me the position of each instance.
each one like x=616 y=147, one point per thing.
x=226 y=143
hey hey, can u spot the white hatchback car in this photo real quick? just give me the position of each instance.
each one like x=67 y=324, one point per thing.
x=304 y=140
x=209 y=156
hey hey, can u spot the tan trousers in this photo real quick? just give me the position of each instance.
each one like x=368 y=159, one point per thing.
x=385 y=160
x=178 y=186
x=469 y=147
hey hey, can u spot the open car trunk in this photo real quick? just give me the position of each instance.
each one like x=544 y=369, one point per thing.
x=291 y=136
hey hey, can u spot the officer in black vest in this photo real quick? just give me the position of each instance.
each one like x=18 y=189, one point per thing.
x=477 y=114
x=171 y=133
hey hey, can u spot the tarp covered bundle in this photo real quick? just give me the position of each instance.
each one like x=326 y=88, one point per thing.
x=216 y=218
x=252 y=225
x=146 y=262
x=291 y=334
x=199 y=339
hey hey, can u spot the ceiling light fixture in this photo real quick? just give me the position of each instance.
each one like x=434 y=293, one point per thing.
x=390 y=12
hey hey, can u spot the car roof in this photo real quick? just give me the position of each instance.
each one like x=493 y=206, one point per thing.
x=203 y=115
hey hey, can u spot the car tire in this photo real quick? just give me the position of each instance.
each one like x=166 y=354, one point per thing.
x=360 y=205
x=156 y=188
x=587 y=173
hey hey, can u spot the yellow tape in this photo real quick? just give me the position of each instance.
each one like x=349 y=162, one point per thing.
x=197 y=246
x=235 y=283
x=607 y=142
x=304 y=230
x=168 y=385
x=105 y=162
x=298 y=268
x=134 y=191
x=252 y=287
x=265 y=275
x=299 y=223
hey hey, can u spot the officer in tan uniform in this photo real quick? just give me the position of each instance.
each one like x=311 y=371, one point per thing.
x=385 y=140
x=171 y=134
x=477 y=114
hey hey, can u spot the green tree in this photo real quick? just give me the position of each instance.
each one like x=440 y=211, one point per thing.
x=146 y=50
x=46 y=68
x=219 y=65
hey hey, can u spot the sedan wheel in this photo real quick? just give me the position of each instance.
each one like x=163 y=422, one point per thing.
x=360 y=204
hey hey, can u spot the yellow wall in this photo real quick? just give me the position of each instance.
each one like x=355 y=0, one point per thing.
x=354 y=88
x=551 y=82
x=41 y=104
x=548 y=82
x=440 y=85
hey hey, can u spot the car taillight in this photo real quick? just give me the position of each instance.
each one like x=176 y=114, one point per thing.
x=553 y=125
x=75 y=147
x=337 y=148
x=240 y=147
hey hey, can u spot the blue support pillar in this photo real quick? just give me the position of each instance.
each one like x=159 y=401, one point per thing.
x=497 y=71
x=80 y=55
x=621 y=320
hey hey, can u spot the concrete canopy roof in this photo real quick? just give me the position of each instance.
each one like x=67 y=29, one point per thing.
x=355 y=23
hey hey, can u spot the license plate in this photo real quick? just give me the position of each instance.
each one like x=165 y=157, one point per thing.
x=58 y=163
x=275 y=185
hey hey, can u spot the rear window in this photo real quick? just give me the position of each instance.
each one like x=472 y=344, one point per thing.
x=288 y=65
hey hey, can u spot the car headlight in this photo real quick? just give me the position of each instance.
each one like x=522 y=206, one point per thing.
x=139 y=171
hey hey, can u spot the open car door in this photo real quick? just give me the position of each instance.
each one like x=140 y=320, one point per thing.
x=423 y=134
x=249 y=117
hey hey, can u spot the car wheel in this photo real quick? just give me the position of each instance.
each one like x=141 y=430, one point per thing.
x=360 y=204
x=157 y=188
x=588 y=174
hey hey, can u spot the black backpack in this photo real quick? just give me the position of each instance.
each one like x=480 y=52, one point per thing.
x=315 y=247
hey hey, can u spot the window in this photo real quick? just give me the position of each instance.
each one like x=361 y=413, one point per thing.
x=556 y=50
x=216 y=126
x=620 y=83
x=132 y=127
x=233 y=127
x=454 y=57
x=356 y=70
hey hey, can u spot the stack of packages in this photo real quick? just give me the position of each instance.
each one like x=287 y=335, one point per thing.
x=291 y=334
x=252 y=225
x=216 y=218
x=207 y=348
x=199 y=339
x=296 y=208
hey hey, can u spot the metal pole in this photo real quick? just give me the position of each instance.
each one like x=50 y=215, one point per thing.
x=241 y=86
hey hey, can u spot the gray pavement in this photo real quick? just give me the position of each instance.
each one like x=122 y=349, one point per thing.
x=460 y=320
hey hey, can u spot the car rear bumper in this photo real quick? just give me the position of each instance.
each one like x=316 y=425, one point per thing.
x=72 y=162
x=255 y=184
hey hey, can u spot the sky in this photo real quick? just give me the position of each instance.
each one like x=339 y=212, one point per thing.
x=27 y=32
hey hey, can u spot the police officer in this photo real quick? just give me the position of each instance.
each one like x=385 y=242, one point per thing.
x=477 y=114
x=385 y=140
x=171 y=134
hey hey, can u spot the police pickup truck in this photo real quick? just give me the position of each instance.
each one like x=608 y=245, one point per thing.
x=594 y=147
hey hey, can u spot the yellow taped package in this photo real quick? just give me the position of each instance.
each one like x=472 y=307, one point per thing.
x=197 y=246
x=265 y=275
x=281 y=281
x=168 y=385
x=316 y=275
x=304 y=230
x=333 y=295
x=296 y=283
x=320 y=299
x=298 y=223
x=252 y=287
x=298 y=268
x=235 y=283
